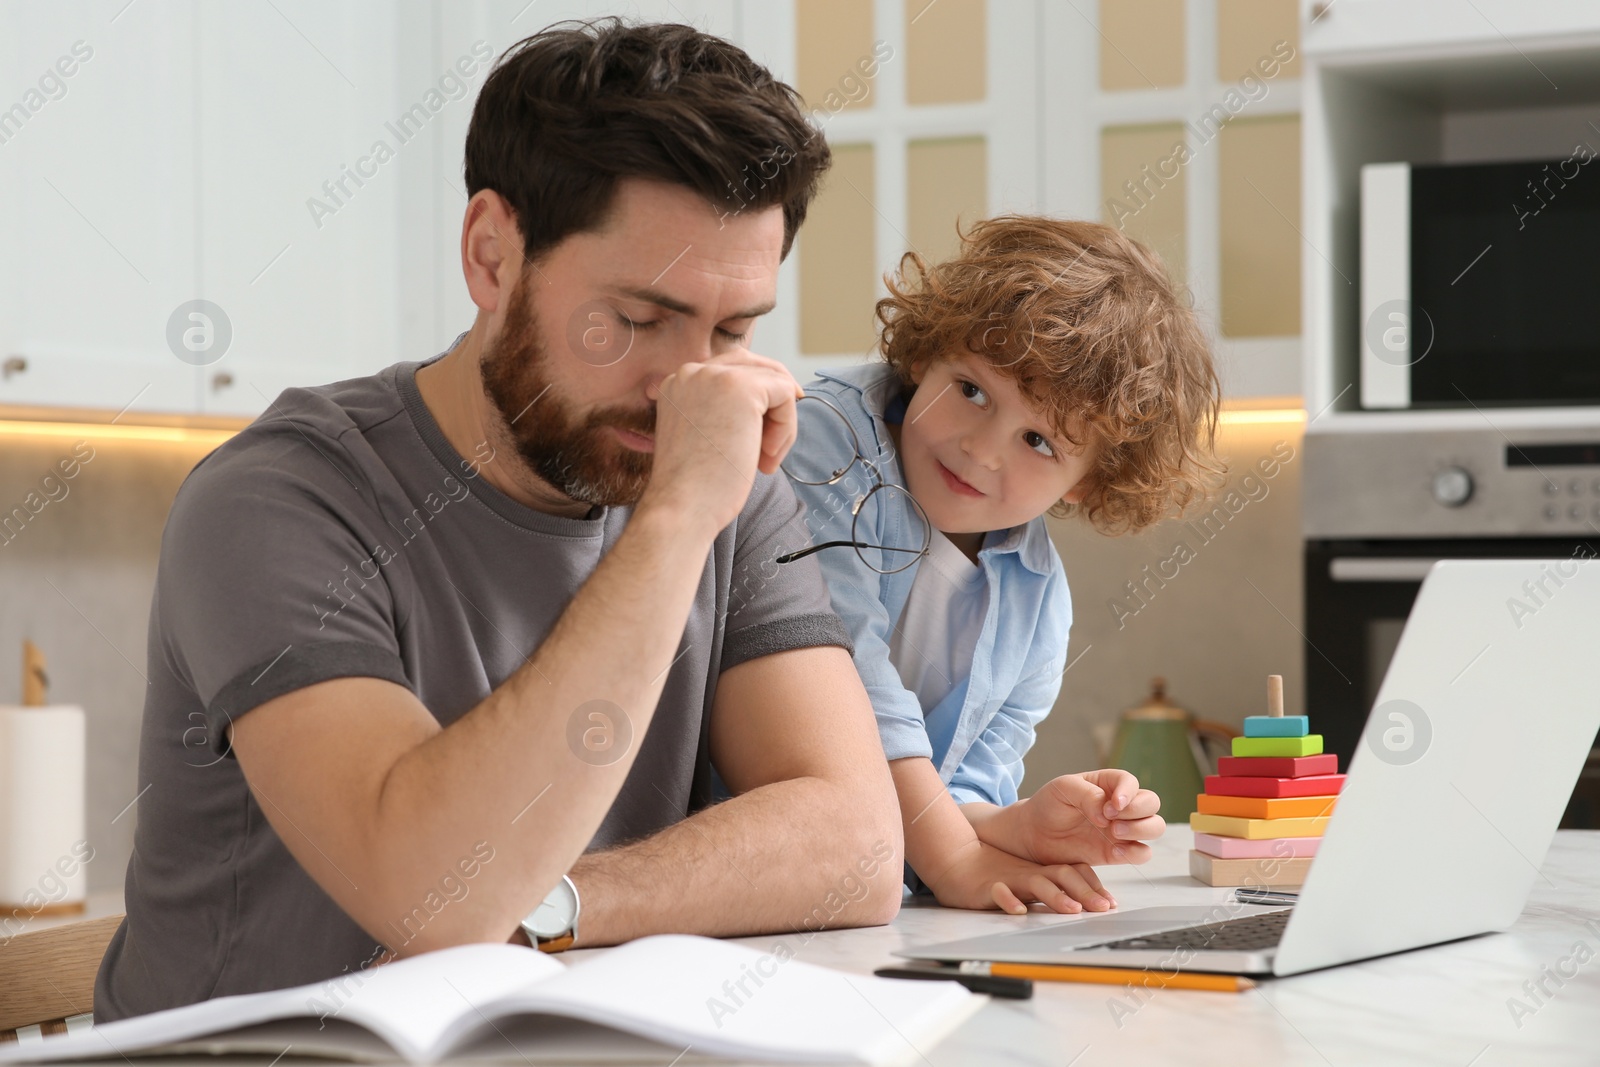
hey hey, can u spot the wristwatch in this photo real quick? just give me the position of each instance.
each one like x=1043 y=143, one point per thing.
x=553 y=925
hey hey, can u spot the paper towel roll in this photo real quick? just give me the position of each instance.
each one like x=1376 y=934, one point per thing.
x=42 y=846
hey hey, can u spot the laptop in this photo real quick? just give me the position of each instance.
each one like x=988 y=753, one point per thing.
x=1470 y=753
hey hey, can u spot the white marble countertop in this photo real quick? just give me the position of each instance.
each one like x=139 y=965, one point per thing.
x=1442 y=1005
x=1447 y=1005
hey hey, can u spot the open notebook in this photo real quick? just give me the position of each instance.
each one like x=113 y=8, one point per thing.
x=647 y=1001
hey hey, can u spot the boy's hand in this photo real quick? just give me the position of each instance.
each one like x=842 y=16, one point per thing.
x=981 y=877
x=1096 y=817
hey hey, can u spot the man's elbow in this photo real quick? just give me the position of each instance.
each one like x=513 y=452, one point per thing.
x=880 y=847
x=883 y=903
x=868 y=893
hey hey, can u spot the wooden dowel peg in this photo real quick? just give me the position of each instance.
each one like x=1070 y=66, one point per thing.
x=1275 y=695
x=35 y=683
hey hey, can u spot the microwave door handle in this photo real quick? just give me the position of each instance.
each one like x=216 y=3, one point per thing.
x=1380 y=568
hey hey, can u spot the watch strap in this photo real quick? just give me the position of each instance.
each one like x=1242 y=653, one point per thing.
x=556 y=944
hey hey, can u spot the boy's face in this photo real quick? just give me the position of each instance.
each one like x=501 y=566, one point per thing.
x=979 y=456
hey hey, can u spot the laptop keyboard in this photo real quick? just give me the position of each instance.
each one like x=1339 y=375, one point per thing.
x=1247 y=934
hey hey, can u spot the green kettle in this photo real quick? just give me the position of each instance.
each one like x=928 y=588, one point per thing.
x=1165 y=748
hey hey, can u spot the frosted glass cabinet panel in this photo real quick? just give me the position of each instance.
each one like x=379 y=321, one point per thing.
x=838 y=285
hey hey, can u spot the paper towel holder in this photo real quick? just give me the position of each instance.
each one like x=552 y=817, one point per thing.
x=31 y=858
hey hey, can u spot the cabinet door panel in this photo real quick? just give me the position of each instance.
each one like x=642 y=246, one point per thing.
x=302 y=138
x=98 y=171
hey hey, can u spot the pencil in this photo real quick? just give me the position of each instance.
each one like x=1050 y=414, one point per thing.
x=1047 y=972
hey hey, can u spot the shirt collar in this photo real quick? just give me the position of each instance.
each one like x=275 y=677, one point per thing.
x=1030 y=542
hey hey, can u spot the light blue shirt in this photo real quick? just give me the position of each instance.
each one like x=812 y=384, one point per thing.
x=978 y=734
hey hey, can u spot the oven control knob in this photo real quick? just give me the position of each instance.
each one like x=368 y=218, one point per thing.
x=1452 y=487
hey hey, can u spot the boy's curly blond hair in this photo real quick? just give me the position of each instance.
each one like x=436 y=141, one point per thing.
x=1089 y=325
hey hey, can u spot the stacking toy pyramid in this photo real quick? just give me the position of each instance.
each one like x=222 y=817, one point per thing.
x=1261 y=817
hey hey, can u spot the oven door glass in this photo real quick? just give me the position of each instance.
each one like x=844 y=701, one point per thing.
x=1358 y=595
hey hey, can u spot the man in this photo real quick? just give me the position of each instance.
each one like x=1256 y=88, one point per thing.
x=426 y=645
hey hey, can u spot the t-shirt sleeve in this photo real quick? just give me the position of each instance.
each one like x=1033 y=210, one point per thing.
x=856 y=592
x=774 y=607
x=268 y=581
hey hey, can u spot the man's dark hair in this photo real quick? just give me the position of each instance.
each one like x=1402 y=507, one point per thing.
x=567 y=112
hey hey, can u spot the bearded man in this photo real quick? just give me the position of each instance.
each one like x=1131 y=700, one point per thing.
x=458 y=652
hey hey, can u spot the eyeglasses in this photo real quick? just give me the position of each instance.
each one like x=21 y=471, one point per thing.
x=826 y=459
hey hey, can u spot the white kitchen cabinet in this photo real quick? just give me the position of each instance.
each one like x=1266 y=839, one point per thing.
x=97 y=172
x=295 y=245
x=181 y=162
x=254 y=155
x=1335 y=26
x=1429 y=81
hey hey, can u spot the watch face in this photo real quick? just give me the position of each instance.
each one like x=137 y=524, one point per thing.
x=555 y=916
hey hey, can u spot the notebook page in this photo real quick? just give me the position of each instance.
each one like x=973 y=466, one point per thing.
x=721 y=999
x=417 y=1003
x=410 y=1004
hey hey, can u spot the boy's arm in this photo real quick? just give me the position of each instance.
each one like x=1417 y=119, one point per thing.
x=1101 y=817
x=991 y=769
x=965 y=872
x=1098 y=817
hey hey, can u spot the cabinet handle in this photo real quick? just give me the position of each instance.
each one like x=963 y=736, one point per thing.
x=13 y=365
x=220 y=381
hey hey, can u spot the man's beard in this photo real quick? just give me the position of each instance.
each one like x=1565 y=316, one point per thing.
x=578 y=456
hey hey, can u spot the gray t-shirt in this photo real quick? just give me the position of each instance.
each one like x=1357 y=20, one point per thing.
x=341 y=535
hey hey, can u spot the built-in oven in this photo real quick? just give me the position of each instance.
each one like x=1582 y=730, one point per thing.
x=1385 y=499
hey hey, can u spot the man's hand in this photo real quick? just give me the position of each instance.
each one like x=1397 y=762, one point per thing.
x=980 y=876
x=717 y=423
x=1097 y=817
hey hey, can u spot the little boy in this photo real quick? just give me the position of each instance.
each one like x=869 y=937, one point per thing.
x=1052 y=367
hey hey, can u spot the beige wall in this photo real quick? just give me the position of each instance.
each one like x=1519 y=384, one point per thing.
x=1214 y=630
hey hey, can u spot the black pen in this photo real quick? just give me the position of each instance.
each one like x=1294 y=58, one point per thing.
x=1264 y=896
x=1009 y=988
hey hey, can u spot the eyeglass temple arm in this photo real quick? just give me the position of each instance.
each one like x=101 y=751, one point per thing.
x=790 y=557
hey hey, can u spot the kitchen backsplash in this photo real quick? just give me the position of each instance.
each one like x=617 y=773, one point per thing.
x=77 y=563
x=1214 y=605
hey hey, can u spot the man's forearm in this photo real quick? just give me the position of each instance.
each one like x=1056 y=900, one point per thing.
x=732 y=870
x=610 y=648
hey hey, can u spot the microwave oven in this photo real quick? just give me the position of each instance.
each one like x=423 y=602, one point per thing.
x=1479 y=284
